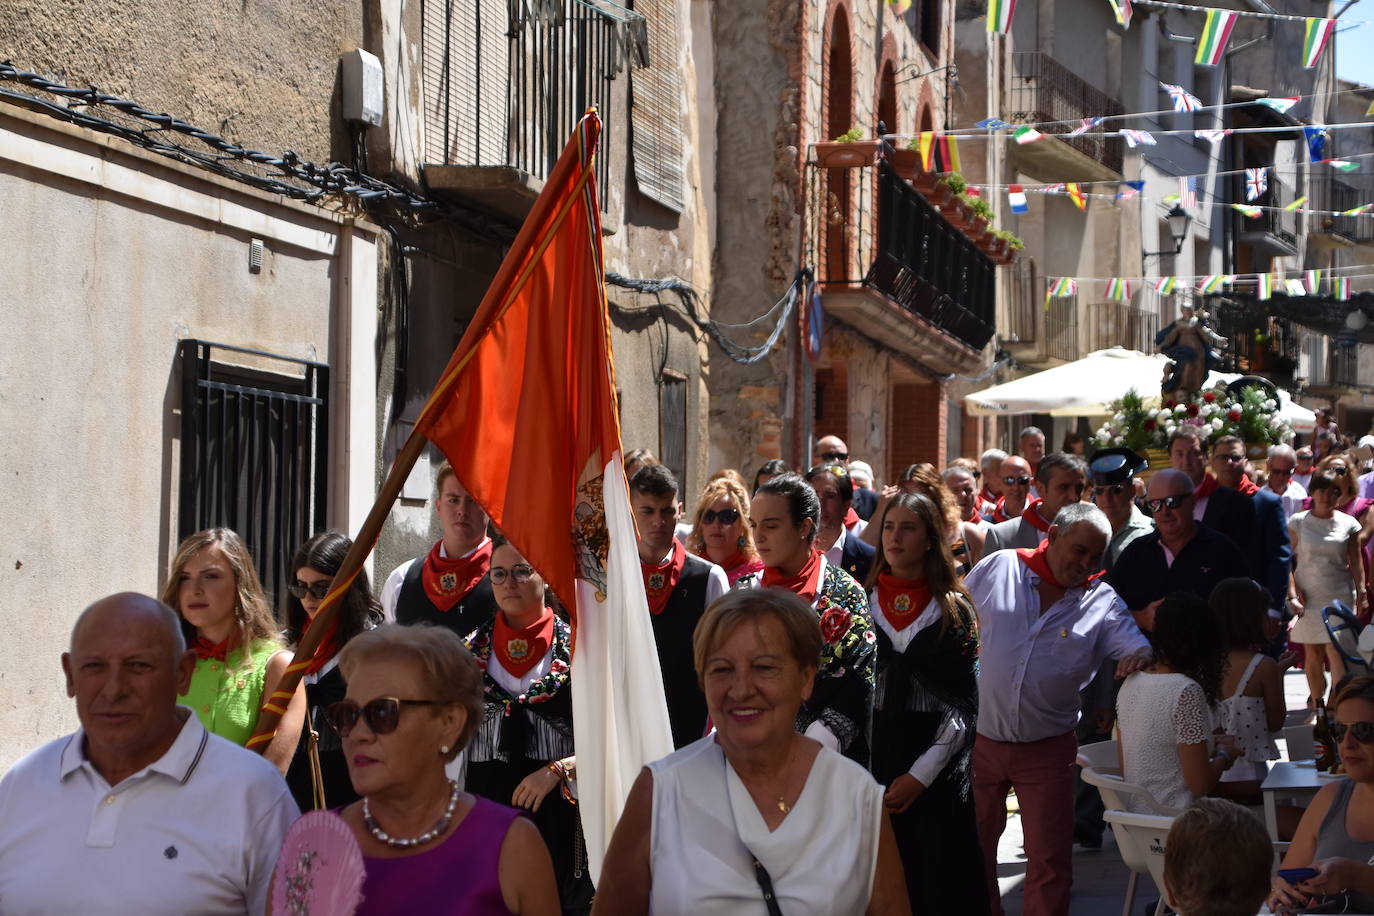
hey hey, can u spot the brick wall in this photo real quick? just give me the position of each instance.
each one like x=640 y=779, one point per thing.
x=832 y=403
x=919 y=416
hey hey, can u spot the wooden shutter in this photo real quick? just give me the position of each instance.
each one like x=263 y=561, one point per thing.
x=465 y=77
x=656 y=109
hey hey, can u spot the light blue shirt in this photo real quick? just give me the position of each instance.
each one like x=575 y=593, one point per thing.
x=1033 y=665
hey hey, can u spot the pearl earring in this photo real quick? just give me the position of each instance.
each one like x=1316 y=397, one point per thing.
x=443 y=750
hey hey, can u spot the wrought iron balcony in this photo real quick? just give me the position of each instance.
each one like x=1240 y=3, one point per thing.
x=1041 y=89
x=1121 y=324
x=1329 y=192
x=1274 y=231
x=881 y=248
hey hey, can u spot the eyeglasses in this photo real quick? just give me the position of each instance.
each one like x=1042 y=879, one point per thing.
x=316 y=590
x=1016 y=481
x=1340 y=471
x=1168 y=502
x=725 y=516
x=382 y=715
x=520 y=573
x=1234 y=459
x=835 y=456
x=1115 y=489
x=1363 y=731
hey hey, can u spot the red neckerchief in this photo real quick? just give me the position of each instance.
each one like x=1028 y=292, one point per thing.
x=1247 y=486
x=988 y=496
x=735 y=565
x=448 y=580
x=1206 y=488
x=520 y=650
x=660 y=579
x=973 y=517
x=901 y=600
x=997 y=514
x=328 y=647
x=851 y=518
x=206 y=649
x=1033 y=518
x=805 y=583
x=1038 y=562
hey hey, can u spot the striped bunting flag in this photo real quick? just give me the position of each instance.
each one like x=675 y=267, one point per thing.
x=1121 y=9
x=1340 y=288
x=1280 y=104
x=1212 y=282
x=1211 y=44
x=1165 y=285
x=1118 y=289
x=1062 y=287
x=1026 y=134
x=1250 y=212
x=1076 y=195
x=1293 y=207
x=1317 y=34
x=1312 y=281
x=1016 y=196
x=1264 y=286
x=999 y=15
x=1294 y=288
x=1187 y=191
x=1183 y=99
x=1128 y=189
x=1358 y=211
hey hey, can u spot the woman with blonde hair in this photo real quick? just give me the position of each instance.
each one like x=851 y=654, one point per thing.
x=720 y=529
x=965 y=539
x=228 y=623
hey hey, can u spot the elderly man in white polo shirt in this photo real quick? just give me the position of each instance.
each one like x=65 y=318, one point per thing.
x=141 y=810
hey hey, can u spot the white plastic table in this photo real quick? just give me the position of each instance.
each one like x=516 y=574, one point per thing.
x=1299 y=781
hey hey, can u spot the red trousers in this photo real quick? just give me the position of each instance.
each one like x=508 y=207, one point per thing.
x=1042 y=774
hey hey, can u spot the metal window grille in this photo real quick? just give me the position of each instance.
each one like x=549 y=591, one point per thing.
x=1041 y=89
x=672 y=428
x=254 y=450
x=655 y=109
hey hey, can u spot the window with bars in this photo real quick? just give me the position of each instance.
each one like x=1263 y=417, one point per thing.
x=656 y=109
x=672 y=424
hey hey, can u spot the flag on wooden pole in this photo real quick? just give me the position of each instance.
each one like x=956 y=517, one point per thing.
x=526 y=414
x=1211 y=44
x=1316 y=34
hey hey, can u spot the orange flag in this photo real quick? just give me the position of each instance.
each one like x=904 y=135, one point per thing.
x=525 y=411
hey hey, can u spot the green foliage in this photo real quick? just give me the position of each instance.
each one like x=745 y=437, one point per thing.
x=850 y=136
x=955 y=182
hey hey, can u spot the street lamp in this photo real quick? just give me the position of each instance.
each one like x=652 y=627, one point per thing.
x=1178 y=220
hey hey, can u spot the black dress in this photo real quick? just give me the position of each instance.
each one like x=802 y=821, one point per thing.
x=521 y=735
x=937 y=837
x=338 y=788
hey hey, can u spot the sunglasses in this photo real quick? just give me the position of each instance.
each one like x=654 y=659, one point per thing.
x=1168 y=502
x=1280 y=472
x=1340 y=471
x=1115 y=489
x=1363 y=731
x=315 y=590
x=1234 y=459
x=1016 y=481
x=520 y=573
x=725 y=516
x=382 y=715
x=835 y=456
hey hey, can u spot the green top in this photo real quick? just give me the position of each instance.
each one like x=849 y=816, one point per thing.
x=227 y=697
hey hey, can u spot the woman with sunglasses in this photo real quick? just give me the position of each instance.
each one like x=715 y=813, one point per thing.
x=720 y=530
x=522 y=753
x=926 y=707
x=1336 y=833
x=227 y=621
x=1327 y=567
x=318 y=775
x=414 y=700
x=784 y=516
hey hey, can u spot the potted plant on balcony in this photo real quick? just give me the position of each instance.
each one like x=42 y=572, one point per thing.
x=979 y=226
x=958 y=213
x=847 y=151
x=1008 y=245
x=906 y=162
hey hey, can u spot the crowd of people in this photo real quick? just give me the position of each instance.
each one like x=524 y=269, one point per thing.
x=856 y=677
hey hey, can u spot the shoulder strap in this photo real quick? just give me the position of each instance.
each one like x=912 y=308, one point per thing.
x=765 y=880
x=1247 y=674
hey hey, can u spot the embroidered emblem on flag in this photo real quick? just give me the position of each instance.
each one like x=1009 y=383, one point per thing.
x=1211 y=44
x=1256 y=183
x=1317 y=34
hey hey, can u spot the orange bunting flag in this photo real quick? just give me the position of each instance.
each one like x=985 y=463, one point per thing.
x=526 y=413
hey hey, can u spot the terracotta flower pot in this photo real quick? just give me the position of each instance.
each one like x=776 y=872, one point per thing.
x=850 y=155
x=957 y=213
x=907 y=164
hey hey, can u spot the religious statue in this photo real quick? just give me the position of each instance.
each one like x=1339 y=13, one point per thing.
x=1188 y=342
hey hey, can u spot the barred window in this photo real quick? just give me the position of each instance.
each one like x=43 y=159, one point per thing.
x=656 y=109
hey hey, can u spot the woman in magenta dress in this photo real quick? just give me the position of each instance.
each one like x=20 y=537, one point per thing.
x=414 y=701
x=720 y=529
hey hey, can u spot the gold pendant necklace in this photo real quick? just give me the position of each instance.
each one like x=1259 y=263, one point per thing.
x=783 y=806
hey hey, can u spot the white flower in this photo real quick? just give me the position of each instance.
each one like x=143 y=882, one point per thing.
x=1118 y=441
x=1216 y=423
x=1269 y=404
x=1118 y=419
x=1169 y=429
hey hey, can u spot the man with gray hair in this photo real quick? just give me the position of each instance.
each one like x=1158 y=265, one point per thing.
x=1047 y=623
x=1062 y=478
x=141 y=809
x=990 y=469
x=1282 y=465
x=1181 y=554
x=1031 y=446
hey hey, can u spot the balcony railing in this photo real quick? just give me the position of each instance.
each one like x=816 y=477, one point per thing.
x=1329 y=192
x=1026 y=302
x=505 y=83
x=1120 y=324
x=1061 y=328
x=1274 y=230
x=1042 y=89
x=879 y=232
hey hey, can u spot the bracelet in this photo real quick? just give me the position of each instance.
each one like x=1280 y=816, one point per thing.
x=556 y=768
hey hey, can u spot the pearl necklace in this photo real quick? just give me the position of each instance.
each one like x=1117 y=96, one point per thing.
x=382 y=836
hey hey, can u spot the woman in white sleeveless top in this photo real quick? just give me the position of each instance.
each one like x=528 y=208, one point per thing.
x=1252 y=706
x=754 y=819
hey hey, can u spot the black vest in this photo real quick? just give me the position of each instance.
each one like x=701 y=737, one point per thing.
x=673 y=638
x=413 y=606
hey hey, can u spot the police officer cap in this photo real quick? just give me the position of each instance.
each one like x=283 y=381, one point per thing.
x=1115 y=465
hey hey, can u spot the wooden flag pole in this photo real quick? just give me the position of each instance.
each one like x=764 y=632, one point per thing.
x=274 y=707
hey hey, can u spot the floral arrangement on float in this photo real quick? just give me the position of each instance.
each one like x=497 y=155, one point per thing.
x=1252 y=416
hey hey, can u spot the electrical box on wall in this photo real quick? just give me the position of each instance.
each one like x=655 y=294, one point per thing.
x=362 y=88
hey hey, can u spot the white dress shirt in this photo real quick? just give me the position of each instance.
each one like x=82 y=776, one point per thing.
x=717 y=583
x=1292 y=498
x=197 y=831
x=1032 y=665
x=391 y=590
x=953 y=732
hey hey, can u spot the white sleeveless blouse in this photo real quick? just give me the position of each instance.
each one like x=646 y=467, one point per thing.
x=705 y=825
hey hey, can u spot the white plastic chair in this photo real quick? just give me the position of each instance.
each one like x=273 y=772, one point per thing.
x=1100 y=756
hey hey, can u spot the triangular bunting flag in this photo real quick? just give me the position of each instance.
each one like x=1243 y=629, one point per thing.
x=1129 y=189
x=1136 y=138
x=1293 y=207
x=1085 y=125
x=1294 y=288
x=1165 y=285
x=1121 y=9
x=1212 y=136
x=1344 y=165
